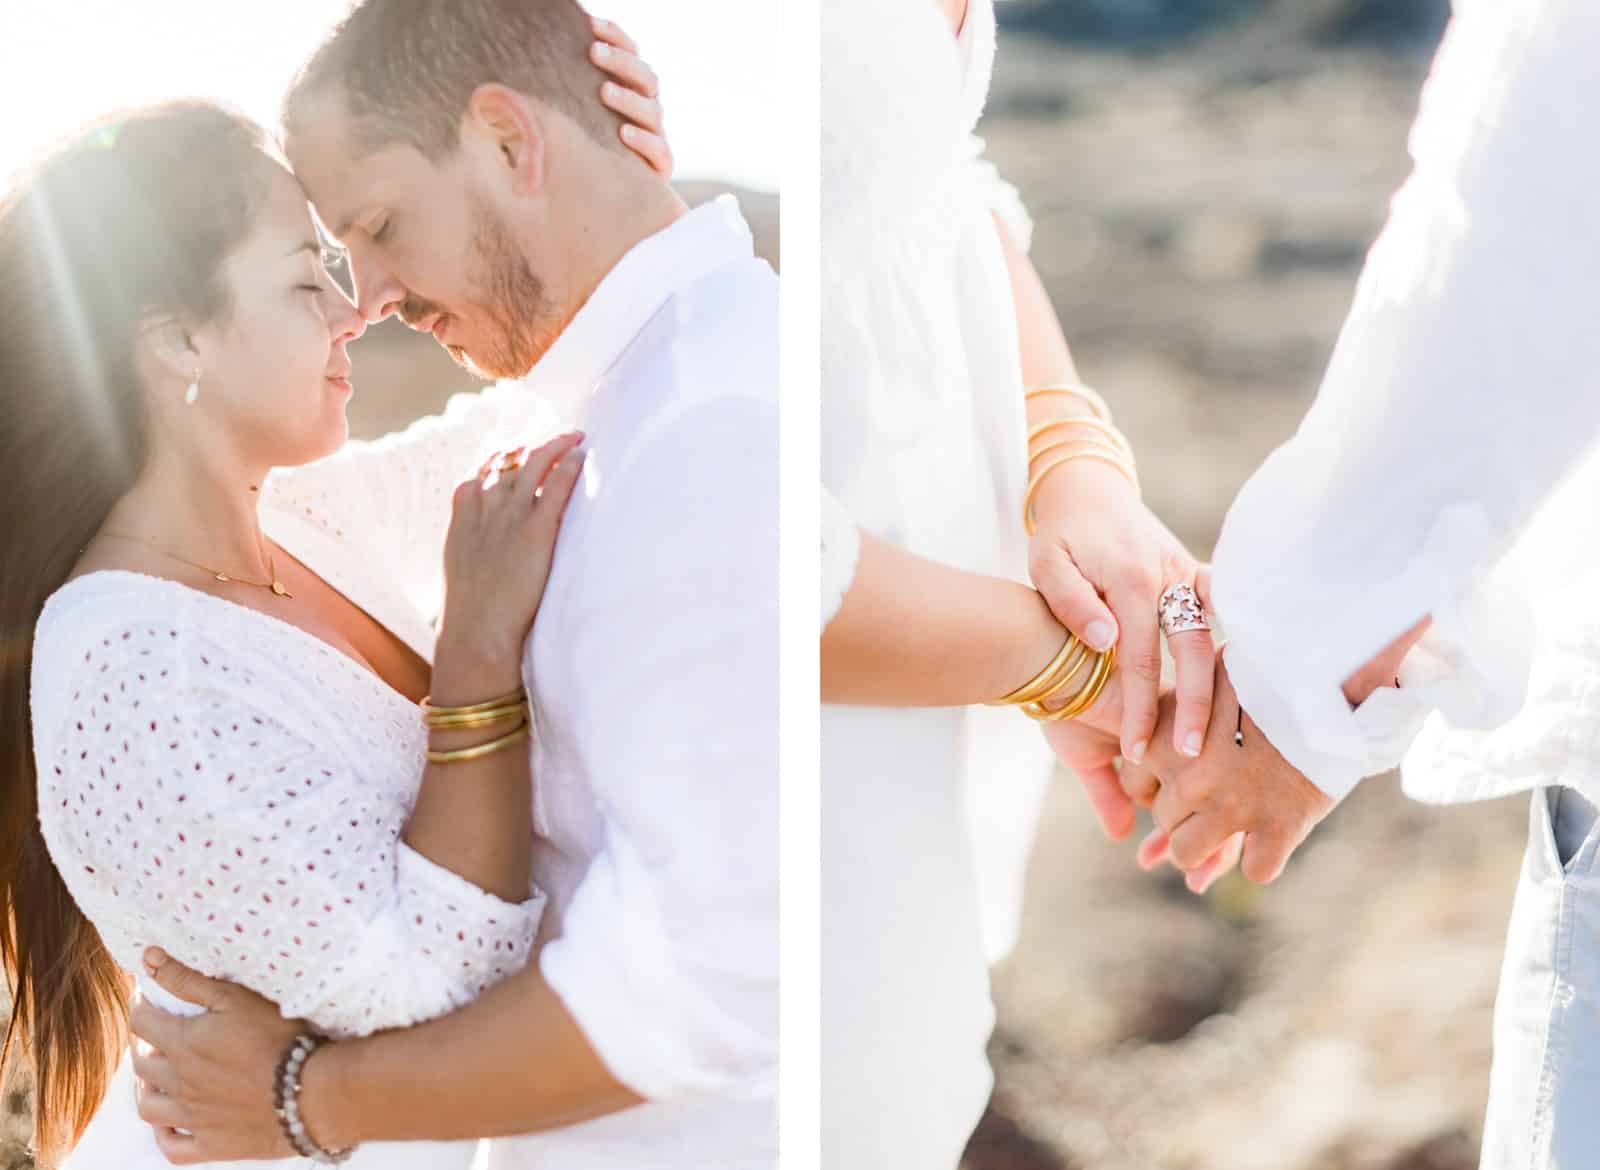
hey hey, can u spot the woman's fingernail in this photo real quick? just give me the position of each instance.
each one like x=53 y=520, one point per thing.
x=1100 y=635
x=602 y=50
x=1136 y=752
x=630 y=132
x=153 y=958
x=1192 y=744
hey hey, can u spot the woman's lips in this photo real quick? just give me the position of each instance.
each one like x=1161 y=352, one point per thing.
x=342 y=384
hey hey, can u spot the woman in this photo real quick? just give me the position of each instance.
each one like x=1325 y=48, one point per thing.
x=934 y=328
x=214 y=663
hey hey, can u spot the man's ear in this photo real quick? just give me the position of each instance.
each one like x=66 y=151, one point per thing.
x=169 y=347
x=505 y=122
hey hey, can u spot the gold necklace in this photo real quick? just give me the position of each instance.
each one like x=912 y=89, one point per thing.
x=275 y=585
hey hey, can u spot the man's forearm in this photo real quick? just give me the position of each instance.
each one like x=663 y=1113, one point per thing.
x=514 y=1061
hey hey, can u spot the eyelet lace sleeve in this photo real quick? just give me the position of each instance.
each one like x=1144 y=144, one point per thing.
x=188 y=804
x=389 y=498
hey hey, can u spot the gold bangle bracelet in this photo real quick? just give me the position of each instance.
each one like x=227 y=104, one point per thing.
x=467 y=755
x=516 y=696
x=1074 y=390
x=1038 y=477
x=1063 y=681
x=1061 y=671
x=1061 y=684
x=1118 y=439
x=1084 y=699
x=1026 y=691
x=474 y=719
x=1092 y=443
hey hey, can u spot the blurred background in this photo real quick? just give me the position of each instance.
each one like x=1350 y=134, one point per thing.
x=1206 y=176
x=64 y=64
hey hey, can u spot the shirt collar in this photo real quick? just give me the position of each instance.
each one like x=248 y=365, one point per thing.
x=648 y=275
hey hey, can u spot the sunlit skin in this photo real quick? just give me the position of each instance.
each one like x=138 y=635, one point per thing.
x=494 y=247
x=274 y=390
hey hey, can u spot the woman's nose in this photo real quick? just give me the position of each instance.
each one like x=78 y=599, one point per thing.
x=347 y=320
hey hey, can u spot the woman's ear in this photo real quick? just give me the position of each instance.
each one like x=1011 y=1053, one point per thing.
x=169 y=349
x=509 y=128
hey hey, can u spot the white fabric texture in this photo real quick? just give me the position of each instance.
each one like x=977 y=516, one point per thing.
x=1546 y=1074
x=1464 y=386
x=228 y=787
x=654 y=672
x=927 y=815
x=279 y=774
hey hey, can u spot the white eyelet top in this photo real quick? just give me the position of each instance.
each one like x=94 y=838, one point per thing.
x=232 y=788
x=229 y=787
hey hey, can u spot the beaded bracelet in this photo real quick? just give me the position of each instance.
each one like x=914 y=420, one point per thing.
x=287 y=1104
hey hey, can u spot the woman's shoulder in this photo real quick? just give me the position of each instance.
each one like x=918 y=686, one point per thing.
x=95 y=605
x=123 y=629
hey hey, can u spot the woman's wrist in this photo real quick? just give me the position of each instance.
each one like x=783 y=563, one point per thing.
x=472 y=667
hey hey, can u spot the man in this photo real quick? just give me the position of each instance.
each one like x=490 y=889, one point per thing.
x=454 y=147
x=1357 y=573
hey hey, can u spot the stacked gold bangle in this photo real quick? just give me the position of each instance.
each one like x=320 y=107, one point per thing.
x=1083 y=437
x=1053 y=681
x=505 y=709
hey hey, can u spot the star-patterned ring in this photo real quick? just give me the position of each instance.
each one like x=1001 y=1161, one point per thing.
x=1180 y=611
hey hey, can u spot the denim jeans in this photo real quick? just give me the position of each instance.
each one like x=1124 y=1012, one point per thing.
x=1544 y=1091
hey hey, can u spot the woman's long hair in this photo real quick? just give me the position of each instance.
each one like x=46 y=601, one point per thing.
x=126 y=224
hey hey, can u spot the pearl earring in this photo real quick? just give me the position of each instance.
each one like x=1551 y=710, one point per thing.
x=193 y=391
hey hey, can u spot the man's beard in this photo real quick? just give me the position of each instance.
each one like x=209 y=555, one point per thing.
x=520 y=322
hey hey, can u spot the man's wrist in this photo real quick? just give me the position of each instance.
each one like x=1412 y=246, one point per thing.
x=326 y=1107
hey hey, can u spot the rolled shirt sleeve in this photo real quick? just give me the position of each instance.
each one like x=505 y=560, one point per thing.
x=667 y=957
x=1464 y=386
x=841 y=553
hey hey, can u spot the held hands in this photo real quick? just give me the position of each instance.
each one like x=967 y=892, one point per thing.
x=1231 y=789
x=1231 y=805
x=1095 y=536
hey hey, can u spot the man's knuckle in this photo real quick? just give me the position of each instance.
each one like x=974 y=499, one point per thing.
x=1194 y=787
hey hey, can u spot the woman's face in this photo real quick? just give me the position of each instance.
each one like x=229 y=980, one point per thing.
x=276 y=365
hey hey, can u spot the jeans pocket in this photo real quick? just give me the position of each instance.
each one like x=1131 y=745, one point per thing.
x=1570 y=825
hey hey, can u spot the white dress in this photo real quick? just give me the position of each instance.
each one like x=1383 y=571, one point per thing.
x=231 y=788
x=923 y=445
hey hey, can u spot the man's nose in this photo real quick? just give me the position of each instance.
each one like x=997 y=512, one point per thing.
x=378 y=293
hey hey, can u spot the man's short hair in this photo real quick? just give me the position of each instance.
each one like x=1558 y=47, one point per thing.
x=406 y=68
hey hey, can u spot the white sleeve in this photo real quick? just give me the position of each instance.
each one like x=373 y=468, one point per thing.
x=182 y=812
x=1465 y=385
x=668 y=955
x=841 y=552
x=390 y=498
x=1001 y=196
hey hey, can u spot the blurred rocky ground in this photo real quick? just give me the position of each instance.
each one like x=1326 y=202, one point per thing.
x=1206 y=176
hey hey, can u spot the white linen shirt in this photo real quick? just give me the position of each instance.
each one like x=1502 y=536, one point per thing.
x=1465 y=384
x=653 y=669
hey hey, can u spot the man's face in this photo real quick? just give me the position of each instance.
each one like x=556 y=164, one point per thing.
x=426 y=242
